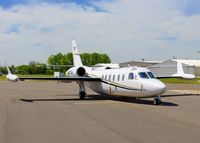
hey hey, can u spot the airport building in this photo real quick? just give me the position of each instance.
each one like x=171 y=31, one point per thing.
x=167 y=67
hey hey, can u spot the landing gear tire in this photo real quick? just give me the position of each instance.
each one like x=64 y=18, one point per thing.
x=157 y=101
x=82 y=95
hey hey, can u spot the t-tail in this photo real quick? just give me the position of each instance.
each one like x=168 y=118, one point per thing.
x=78 y=70
x=180 y=72
x=76 y=56
x=8 y=70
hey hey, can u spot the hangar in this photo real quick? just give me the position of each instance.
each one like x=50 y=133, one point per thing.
x=167 y=67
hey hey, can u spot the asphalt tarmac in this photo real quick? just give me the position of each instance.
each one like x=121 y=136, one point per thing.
x=47 y=112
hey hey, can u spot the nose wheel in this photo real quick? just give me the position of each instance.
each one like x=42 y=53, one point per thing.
x=82 y=95
x=157 y=100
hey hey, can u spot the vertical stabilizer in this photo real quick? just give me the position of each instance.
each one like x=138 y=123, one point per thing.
x=180 y=72
x=76 y=56
x=8 y=69
x=179 y=68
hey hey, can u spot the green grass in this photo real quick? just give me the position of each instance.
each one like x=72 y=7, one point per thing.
x=3 y=77
x=180 y=81
x=35 y=75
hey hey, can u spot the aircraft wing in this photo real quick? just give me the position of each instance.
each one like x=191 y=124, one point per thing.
x=61 y=78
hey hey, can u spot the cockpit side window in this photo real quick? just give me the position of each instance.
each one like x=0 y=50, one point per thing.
x=143 y=75
x=105 y=77
x=131 y=76
x=151 y=75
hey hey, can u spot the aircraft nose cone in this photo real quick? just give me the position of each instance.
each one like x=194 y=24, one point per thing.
x=160 y=87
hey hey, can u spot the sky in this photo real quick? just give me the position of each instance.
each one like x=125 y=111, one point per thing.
x=32 y=30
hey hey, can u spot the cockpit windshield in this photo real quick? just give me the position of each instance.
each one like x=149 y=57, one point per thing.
x=151 y=75
x=143 y=75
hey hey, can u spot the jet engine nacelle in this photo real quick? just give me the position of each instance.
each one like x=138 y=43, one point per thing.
x=76 y=71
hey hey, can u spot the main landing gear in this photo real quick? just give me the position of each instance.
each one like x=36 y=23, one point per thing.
x=82 y=95
x=157 y=100
x=81 y=91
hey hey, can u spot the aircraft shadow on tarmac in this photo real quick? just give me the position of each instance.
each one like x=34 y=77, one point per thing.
x=179 y=95
x=104 y=98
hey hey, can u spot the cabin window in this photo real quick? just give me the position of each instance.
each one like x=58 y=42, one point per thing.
x=118 y=78
x=102 y=77
x=131 y=76
x=105 y=77
x=113 y=77
x=143 y=75
x=109 y=77
x=151 y=75
x=123 y=76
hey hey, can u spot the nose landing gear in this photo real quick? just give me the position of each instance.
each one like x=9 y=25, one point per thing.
x=157 y=100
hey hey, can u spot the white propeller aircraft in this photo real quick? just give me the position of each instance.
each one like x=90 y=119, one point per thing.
x=131 y=81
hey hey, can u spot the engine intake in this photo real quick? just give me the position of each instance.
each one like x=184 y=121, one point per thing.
x=81 y=71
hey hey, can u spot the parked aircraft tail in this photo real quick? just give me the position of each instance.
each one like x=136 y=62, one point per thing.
x=8 y=70
x=180 y=72
x=76 y=56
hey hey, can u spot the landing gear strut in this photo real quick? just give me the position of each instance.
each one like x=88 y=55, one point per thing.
x=82 y=95
x=157 y=100
x=82 y=91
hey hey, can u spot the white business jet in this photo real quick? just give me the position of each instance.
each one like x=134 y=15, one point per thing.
x=130 y=82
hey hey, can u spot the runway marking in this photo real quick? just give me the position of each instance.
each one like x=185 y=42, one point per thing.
x=95 y=102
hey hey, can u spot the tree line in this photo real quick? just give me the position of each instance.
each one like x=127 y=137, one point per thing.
x=58 y=62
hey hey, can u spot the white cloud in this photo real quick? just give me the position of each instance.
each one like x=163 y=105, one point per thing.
x=126 y=30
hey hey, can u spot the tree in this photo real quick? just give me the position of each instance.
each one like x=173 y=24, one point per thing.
x=105 y=58
x=32 y=67
x=50 y=60
x=3 y=70
x=57 y=62
x=55 y=59
x=95 y=58
x=86 y=58
x=67 y=59
x=23 y=69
